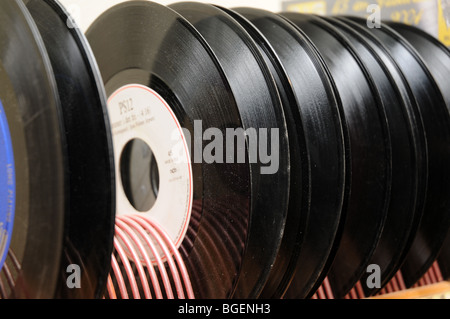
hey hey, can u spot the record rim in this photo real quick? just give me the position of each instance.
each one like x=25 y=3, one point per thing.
x=418 y=190
x=379 y=109
x=438 y=98
x=419 y=121
x=209 y=12
x=334 y=113
x=72 y=232
x=46 y=289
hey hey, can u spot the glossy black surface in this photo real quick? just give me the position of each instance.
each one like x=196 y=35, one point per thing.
x=260 y=107
x=90 y=209
x=29 y=96
x=315 y=115
x=434 y=54
x=409 y=152
x=436 y=218
x=145 y=43
x=437 y=59
x=371 y=152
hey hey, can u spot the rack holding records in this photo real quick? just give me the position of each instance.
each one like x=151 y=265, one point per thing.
x=196 y=151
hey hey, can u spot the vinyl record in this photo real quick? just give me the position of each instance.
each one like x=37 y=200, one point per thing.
x=435 y=55
x=435 y=113
x=90 y=208
x=314 y=109
x=260 y=107
x=409 y=153
x=33 y=159
x=370 y=146
x=77 y=230
x=437 y=59
x=171 y=103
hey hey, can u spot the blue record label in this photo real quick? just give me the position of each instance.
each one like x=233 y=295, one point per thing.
x=7 y=186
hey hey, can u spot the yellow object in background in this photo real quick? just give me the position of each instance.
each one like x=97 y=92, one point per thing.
x=312 y=7
x=432 y=16
x=444 y=21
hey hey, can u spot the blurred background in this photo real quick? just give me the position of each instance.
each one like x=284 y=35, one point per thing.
x=432 y=16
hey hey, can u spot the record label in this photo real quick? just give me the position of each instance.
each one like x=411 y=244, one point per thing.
x=154 y=173
x=7 y=186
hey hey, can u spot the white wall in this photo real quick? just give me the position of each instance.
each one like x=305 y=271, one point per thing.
x=86 y=11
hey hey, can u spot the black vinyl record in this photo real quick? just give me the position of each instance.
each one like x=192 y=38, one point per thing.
x=148 y=50
x=260 y=107
x=90 y=208
x=409 y=154
x=314 y=111
x=274 y=150
x=74 y=223
x=437 y=59
x=30 y=104
x=435 y=114
x=435 y=55
x=370 y=148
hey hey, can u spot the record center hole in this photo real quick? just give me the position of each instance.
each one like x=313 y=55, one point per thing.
x=140 y=175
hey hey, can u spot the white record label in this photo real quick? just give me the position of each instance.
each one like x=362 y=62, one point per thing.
x=138 y=112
